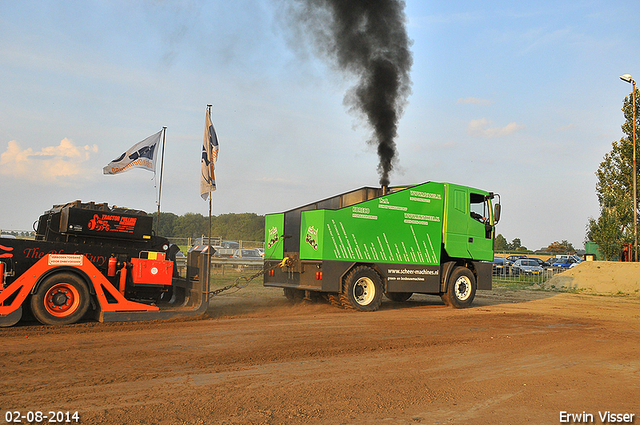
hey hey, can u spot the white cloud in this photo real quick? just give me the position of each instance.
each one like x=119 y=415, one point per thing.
x=482 y=128
x=474 y=101
x=566 y=127
x=49 y=164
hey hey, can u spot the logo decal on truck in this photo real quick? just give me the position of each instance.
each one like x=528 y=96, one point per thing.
x=312 y=235
x=273 y=237
x=112 y=223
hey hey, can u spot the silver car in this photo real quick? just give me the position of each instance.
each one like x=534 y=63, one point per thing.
x=526 y=266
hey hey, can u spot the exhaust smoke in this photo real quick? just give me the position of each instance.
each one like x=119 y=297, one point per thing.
x=366 y=39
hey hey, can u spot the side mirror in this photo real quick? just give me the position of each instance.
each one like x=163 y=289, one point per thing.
x=496 y=213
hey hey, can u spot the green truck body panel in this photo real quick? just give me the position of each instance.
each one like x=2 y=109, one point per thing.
x=274 y=229
x=404 y=227
x=413 y=226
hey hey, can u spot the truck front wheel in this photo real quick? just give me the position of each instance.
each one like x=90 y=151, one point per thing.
x=362 y=289
x=61 y=299
x=461 y=289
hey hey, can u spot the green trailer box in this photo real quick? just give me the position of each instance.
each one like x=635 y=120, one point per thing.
x=404 y=240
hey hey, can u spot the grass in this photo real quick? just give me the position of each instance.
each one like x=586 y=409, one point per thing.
x=231 y=276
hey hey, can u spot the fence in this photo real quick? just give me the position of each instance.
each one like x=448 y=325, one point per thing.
x=507 y=274
x=222 y=265
x=215 y=241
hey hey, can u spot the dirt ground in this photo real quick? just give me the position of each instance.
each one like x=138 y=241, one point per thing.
x=514 y=357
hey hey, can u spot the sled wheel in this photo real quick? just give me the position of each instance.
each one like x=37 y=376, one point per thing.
x=362 y=289
x=461 y=289
x=61 y=299
x=399 y=297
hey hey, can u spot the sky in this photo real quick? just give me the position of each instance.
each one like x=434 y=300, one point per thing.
x=519 y=98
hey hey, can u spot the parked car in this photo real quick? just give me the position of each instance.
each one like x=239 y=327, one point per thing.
x=500 y=266
x=513 y=258
x=564 y=263
x=247 y=254
x=250 y=254
x=226 y=249
x=261 y=252
x=526 y=266
x=541 y=263
x=563 y=256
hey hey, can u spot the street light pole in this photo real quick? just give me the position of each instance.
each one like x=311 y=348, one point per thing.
x=628 y=79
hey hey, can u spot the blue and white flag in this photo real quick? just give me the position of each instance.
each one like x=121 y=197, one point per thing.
x=140 y=155
x=209 y=157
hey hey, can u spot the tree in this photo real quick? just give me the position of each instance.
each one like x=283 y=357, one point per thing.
x=614 y=190
x=516 y=245
x=168 y=223
x=563 y=247
x=607 y=232
x=245 y=226
x=192 y=225
x=500 y=243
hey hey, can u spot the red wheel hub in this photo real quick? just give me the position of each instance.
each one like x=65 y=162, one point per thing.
x=62 y=299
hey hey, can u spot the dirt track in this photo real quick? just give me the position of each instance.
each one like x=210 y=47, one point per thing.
x=515 y=357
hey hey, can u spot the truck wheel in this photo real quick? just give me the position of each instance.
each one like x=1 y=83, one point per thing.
x=61 y=299
x=399 y=297
x=362 y=289
x=461 y=289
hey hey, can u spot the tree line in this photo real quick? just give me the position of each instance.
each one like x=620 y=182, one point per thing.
x=244 y=226
x=501 y=244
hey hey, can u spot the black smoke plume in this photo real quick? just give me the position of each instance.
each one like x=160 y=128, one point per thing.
x=367 y=39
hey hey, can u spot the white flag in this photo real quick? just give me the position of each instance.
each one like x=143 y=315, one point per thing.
x=140 y=155
x=209 y=157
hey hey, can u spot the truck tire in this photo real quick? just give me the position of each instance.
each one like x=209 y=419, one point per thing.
x=334 y=300
x=61 y=299
x=362 y=289
x=399 y=297
x=461 y=289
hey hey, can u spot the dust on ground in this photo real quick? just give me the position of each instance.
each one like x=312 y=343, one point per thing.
x=514 y=357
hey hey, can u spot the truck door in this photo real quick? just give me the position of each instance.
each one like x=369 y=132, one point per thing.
x=480 y=240
x=456 y=233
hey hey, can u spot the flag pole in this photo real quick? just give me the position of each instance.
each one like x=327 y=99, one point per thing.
x=209 y=248
x=164 y=136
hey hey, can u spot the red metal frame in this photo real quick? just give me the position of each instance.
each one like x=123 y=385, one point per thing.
x=23 y=285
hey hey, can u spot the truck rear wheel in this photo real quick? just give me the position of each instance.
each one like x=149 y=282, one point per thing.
x=362 y=289
x=461 y=289
x=61 y=299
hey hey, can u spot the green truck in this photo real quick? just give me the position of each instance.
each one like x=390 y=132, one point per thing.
x=430 y=238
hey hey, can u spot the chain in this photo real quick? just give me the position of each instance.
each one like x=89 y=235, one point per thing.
x=243 y=281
